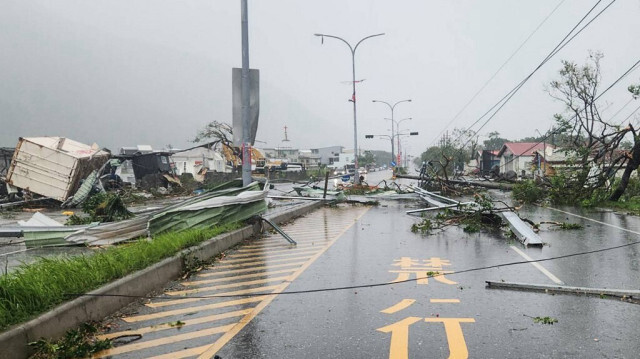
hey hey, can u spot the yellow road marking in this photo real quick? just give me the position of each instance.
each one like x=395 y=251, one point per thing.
x=226 y=337
x=182 y=353
x=248 y=264
x=246 y=276
x=444 y=300
x=399 y=348
x=169 y=313
x=245 y=270
x=163 y=341
x=307 y=236
x=186 y=323
x=225 y=286
x=254 y=252
x=399 y=306
x=191 y=300
x=254 y=257
x=455 y=338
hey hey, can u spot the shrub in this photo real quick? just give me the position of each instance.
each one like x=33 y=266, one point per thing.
x=528 y=192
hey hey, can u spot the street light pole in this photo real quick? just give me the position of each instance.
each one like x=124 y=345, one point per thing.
x=353 y=49
x=398 y=131
x=392 y=107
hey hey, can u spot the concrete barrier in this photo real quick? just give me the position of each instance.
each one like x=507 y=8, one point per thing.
x=112 y=297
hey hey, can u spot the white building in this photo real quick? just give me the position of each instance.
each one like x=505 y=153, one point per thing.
x=309 y=159
x=344 y=158
x=518 y=156
x=195 y=159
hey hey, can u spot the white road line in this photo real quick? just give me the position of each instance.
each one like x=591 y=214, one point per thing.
x=537 y=265
x=593 y=220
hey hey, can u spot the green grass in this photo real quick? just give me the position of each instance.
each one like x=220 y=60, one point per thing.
x=37 y=287
x=631 y=205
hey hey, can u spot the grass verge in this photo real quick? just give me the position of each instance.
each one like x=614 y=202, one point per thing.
x=630 y=206
x=37 y=287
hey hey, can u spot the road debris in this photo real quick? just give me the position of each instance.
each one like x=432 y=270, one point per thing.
x=522 y=231
x=624 y=294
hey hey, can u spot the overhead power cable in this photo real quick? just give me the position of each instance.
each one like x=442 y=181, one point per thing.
x=497 y=71
x=500 y=104
x=370 y=285
x=544 y=138
x=631 y=114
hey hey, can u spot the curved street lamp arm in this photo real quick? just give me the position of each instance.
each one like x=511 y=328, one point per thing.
x=368 y=37
x=394 y=105
x=339 y=38
x=384 y=102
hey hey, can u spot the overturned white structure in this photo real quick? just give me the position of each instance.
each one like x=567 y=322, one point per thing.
x=53 y=166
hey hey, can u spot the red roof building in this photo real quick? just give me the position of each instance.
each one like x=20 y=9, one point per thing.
x=518 y=156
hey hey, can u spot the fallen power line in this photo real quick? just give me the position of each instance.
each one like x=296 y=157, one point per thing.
x=371 y=285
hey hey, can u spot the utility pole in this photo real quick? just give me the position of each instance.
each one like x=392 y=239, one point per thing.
x=246 y=146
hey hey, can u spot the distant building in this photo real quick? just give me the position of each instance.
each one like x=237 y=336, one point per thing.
x=283 y=153
x=487 y=159
x=328 y=155
x=309 y=159
x=344 y=158
x=139 y=149
x=518 y=156
x=194 y=160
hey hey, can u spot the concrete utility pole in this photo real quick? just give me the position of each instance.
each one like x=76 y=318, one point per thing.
x=246 y=146
x=353 y=49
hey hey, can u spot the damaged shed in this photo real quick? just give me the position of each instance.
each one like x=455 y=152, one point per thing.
x=53 y=166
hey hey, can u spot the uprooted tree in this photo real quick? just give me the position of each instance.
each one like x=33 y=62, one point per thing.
x=450 y=155
x=218 y=134
x=592 y=142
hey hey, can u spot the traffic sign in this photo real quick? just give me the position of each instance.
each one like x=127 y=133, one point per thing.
x=393 y=163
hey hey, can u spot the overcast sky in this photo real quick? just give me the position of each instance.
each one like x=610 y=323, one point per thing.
x=121 y=73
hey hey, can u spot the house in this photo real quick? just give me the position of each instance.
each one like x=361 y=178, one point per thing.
x=328 y=155
x=129 y=151
x=344 y=158
x=555 y=161
x=309 y=159
x=194 y=160
x=487 y=159
x=283 y=153
x=550 y=160
x=518 y=156
x=150 y=163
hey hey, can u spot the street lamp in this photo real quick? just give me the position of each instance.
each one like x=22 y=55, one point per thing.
x=392 y=107
x=392 y=137
x=353 y=97
x=398 y=131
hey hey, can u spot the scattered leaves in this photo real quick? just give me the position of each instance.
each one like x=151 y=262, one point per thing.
x=545 y=320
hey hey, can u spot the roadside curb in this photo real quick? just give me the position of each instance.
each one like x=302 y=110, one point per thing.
x=95 y=307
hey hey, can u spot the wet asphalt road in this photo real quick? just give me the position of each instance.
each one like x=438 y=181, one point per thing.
x=454 y=316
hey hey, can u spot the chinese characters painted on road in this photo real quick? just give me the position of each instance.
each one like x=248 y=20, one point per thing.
x=423 y=269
